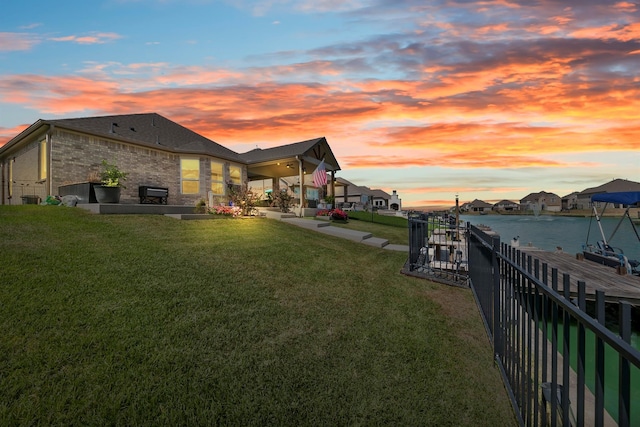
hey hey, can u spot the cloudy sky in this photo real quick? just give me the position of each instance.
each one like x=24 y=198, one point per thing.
x=489 y=99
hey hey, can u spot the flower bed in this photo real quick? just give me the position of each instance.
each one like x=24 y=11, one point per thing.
x=339 y=215
x=333 y=215
x=233 y=211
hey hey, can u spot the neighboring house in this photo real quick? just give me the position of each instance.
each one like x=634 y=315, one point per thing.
x=465 y=207
x=541 y=201
x=506 y=206
x=153 y=150
x=570 y=201
x=583 y=199
x=478 y=206
x=348 y=192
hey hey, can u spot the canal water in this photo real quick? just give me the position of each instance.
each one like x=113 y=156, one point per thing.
x=549 y=232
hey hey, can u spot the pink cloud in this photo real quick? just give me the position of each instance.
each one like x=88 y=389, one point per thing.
x=12 y=42
x=96 y=38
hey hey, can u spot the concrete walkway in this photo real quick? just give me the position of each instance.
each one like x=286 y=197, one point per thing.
x=325 y=227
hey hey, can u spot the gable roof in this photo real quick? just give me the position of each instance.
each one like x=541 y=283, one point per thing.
x=613 y=186
x=480 y=204
x=155 y=131
x=149 y=129
x=311 y=151
x=361 y=190
x=290 y=150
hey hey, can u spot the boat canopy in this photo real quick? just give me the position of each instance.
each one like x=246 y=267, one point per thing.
x=622 y=197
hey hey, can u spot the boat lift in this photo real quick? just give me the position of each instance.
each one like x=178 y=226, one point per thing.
x=604 y=253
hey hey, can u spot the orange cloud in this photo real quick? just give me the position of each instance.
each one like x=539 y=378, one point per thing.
x=6 y=134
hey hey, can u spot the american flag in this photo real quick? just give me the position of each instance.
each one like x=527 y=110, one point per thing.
x=320 y=175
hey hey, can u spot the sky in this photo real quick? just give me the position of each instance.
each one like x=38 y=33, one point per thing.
x=486 y=100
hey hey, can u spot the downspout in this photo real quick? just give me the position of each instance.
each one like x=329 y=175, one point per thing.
x=49 y=159
x=2 y=171
x=301 y=176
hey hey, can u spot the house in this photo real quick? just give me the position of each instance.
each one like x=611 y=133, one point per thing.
x=348 y=192
x=583 y=199
x=477 y=206
x=541 y=201
x=570 y=201
x=506 y=206
x=154 y=151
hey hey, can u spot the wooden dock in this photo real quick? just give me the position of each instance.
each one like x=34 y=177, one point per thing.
x=596 y=277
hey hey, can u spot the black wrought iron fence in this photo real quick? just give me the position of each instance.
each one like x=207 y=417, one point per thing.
x=561 y=365
x=437 y=249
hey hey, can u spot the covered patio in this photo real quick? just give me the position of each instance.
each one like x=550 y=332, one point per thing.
x=287 y=166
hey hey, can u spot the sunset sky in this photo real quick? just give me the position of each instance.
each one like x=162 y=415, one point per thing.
x=490 y=99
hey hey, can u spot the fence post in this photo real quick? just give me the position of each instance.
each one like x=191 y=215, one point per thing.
x=496 y=326
x=624 y=370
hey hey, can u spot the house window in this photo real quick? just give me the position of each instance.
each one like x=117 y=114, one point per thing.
x=42 y=161
x=235 y=175
x=217 y=178
x=190 y=176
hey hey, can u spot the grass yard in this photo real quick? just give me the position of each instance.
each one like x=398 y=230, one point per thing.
x=147 y=320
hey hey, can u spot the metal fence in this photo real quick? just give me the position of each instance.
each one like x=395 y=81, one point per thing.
x=561 y=365
x=437 y=249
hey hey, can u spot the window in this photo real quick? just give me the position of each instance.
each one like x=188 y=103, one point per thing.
x=42 y=160
x=190 y=176
x=217 y=178
x=235 y=175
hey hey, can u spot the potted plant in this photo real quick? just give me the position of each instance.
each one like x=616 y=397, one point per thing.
x=329 y=201
x=112 y=180
x=201 y=206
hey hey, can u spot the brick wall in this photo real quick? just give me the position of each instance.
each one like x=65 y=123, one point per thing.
x=78 y=157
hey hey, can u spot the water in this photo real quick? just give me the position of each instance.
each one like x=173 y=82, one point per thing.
x=548 y=232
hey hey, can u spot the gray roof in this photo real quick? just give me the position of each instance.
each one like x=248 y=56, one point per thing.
x=480 y=204
x=613 y=186
x=150 y=129
x=258 y=155
x=358 y=190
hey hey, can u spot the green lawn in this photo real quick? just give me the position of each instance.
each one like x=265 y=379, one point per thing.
x=147 y=320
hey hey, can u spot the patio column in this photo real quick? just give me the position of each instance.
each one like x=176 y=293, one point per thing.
x=333 y=184
x=301 y=176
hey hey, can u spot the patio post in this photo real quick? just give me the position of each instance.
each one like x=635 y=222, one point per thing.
x=301 y=175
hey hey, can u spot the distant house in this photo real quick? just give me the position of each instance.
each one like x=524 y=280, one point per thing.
x=478 y=206
x=153 y=150
x=506 y=206
x=583 y=199
x=348 y=192
x=570 y=201
x=542 y=201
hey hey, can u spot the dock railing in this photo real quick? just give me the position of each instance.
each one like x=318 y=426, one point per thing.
x=560 y=364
